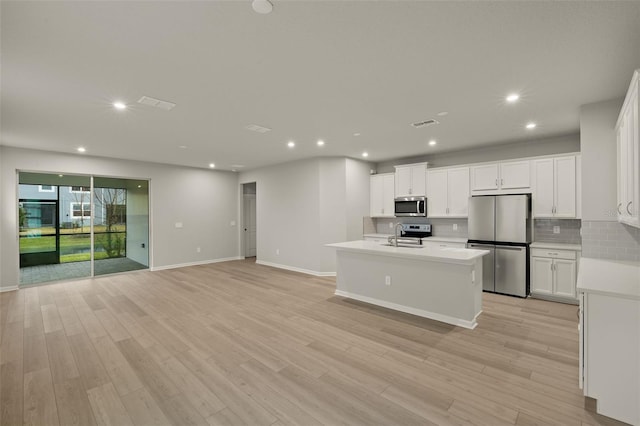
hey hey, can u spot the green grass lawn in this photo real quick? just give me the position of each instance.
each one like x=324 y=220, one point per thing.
x=69 y=244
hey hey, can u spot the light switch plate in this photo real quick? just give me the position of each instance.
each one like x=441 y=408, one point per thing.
x=556 y=229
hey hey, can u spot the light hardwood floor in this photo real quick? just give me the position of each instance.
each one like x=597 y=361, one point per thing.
x=239 y=343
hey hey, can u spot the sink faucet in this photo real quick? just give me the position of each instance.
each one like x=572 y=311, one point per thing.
x=395 y=231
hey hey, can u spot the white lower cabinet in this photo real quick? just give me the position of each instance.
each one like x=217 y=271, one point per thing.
x=553 y=274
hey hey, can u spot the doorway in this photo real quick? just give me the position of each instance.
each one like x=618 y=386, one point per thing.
x=73 y=226
x=250 y=230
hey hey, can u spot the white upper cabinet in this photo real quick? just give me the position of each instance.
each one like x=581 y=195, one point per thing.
x=381 y=195
x=484 y=178
x=437 y=193
x=515 y=175
x=411 y=180
x=448 y=192
x=555 y=189
x=506 y=176
x=628 y=141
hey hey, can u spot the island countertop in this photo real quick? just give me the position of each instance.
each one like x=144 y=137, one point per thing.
x=446 y=255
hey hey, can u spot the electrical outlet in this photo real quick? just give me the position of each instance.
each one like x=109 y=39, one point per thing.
x=198 y=249
x=277 y=252
x=178 y=225
x=387 y=280
x=142 y=245
x=455 y=226
x=233 y=223
x=556 y=229
x=390 y=225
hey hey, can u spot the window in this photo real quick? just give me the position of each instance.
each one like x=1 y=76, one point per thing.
x=80 y=210
x=46 y=188
x=80 y=189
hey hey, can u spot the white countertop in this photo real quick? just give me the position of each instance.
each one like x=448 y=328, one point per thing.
x=556 y=246
x=609 y=277
x=445 y=255
x=446 y=239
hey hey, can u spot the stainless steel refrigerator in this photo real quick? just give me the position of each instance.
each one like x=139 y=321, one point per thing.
x=502 y=225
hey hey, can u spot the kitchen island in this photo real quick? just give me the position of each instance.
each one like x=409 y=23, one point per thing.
x=444 y=284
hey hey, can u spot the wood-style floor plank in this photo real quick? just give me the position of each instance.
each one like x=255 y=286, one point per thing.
x=238 y=343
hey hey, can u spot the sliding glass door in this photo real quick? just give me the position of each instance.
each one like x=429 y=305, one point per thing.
x=80 y=226
x=121 y=225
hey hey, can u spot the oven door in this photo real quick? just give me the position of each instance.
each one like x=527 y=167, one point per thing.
x=410 y=206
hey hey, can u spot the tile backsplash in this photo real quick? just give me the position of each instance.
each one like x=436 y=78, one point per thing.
x=569 y=231
x=610 y=240
x=440 y=227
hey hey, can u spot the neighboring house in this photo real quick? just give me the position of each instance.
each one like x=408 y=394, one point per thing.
x=74 y=205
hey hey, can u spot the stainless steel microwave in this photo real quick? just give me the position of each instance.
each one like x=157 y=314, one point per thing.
x=411 y=206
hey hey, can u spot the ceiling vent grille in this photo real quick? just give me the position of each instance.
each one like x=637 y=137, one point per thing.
x=425 y=123
x=258 y=129
x=156 y=103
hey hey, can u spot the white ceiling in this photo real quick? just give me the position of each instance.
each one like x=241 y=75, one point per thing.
x=309 y=70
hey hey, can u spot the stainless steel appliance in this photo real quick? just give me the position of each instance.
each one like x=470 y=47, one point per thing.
x=410 y=233
x=502 y=225
x=410 y=206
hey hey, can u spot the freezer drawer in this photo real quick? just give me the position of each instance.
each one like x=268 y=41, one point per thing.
x=488 y=265
x=511 y=270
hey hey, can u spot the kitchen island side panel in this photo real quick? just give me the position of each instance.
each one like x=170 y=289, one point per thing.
x=432 y=289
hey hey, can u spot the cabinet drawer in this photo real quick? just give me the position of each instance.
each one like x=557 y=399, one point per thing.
x=555 y=254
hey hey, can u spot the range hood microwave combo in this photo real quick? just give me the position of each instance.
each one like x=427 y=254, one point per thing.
x=411 y=207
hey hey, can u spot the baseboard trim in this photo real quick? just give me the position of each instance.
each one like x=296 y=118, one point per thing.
x=295 y=269
x=13 y=288
x=413 y=311
x=200 y=262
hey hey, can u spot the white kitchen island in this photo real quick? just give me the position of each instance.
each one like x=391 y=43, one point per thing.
x=441 y=284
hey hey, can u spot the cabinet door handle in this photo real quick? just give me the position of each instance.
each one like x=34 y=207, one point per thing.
x=496 y=182
x=501 y=181
x=629 y=205
x=619 y=205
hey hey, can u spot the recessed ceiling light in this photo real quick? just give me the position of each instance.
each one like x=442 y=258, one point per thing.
x=60 y=175
x=442 y=113
x=182 y=146
x=139 y=186
x=432 y=142
x=119 y=105
x=365 y=154
x=233 y=170
x=531 y=126
x=211 y=165
x=262 y=6
x=291 y=144
x=512 y=97
x=320 y=143
x=237 y=166
x=81 y=149
x=356 y=134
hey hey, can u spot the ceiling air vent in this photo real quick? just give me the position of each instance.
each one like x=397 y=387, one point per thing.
x=425 y=123
x=156 y=103
x=256 y=128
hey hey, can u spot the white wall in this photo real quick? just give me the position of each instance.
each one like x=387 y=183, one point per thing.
x=599 y=168
x=287 y=213
x=138 y=225
x=305 y=204
x=518 y=149
x=205 y=201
